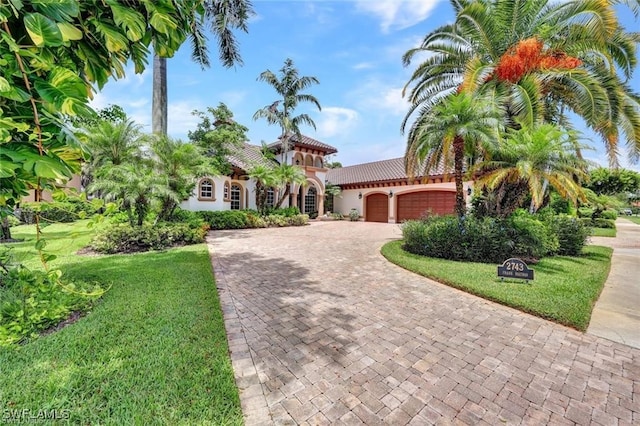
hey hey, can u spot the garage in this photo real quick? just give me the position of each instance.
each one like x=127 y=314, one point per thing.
x=415 y=204
x=377 y=208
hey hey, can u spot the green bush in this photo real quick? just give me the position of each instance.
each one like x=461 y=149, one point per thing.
x=36 y=300
x=585 y=212
x=241 y=219
x=609 y=214
x=571 y=232
x=127 y=239
x=337 y=216
x=354 y=215
x=56 y=211
x=486 y=239
x=601 y=222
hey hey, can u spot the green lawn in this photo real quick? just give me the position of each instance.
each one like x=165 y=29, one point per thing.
x=153 y=351
x=634 y=219
x=603 y=232
x=564 y=289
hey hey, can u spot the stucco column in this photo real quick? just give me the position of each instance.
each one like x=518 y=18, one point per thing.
x=320 y=205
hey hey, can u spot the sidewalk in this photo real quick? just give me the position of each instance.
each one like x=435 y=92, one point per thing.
x=616 y=315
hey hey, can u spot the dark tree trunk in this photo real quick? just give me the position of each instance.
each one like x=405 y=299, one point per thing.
x=6 y=229
x=458 y=160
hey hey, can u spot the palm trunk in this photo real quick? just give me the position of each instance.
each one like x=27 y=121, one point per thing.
x=458 y=157
x=284 y=196
x=6 y=229
x=159 y=101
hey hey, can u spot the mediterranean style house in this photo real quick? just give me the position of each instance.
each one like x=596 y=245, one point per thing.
x=379 y=191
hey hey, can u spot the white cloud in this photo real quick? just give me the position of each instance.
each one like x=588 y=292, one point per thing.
x=397 y=14
x=180 y=118
x=377 y=95
x=363 y=66
x=336 y=120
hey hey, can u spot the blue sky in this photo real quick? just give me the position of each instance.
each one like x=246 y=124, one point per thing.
x=354 y=47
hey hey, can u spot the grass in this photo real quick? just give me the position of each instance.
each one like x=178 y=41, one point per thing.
x=603 y=232
x=564 y=289
x=634 y=219
x=153 y=351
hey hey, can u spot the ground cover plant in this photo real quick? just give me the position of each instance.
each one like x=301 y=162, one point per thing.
x=603 y=232
x=152 y=351
x=241 y=219
x=564 y=289
x=633 y=219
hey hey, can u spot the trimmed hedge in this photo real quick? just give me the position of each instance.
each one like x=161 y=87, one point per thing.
x=127 y=239
x=599 y=223
x=492 y=240
x=56 y=211
x=243 y=219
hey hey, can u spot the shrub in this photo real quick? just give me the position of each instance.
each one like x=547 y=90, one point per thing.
x=601 y=222
x=337 y=216
x=226 y=219
x=56 y=211
x=486 y=239
x=313 y=215
x=609 y=214
x=354 y=216
x=298 y=220
x=34 y=300
x=585 y=212
x=571 y=232
x=127 y=239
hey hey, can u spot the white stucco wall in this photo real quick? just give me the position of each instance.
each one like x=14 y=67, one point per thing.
x=218 y=203
x=349 y=199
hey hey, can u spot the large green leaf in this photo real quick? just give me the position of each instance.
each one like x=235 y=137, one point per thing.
x=42 y=30
x=132 y=21
x=69 y=32
x=58 y=10
x=4 y=85
x=62 y=90
x=114 y=40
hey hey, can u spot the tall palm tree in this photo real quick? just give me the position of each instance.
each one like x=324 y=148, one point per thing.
x=544 y=56
x=528 y=161
x=222 y=16
x=288 y=85
x=265 y=178
x=455 y=129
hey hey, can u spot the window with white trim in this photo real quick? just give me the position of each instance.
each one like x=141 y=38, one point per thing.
x=206 y=190
x=236 y=197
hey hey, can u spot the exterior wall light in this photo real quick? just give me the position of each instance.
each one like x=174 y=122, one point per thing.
x=469 y=191
x=390 y=194
x=360 y=196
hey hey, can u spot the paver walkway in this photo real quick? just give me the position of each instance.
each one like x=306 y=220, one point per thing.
x=616 y=315
x=323 y=330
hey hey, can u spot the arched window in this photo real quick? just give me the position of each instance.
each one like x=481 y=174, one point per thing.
x=318 y=162
x=226 y=191
x=308 y=160
x=206 y=190
x=310 y=200
x=236 y=197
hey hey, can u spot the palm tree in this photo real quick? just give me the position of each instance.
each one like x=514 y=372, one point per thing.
x=286 y=176
x=133 y=185
x=265 y=178
x=223 y=16
x=179 y=164
x=453 y=130
x=111 y=143
x=288 y=85
x=527 y=162
x=543 y=56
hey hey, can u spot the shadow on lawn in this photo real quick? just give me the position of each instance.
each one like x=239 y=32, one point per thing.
x=290 y=320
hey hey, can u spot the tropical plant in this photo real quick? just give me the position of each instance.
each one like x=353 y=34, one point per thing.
x=218 y=135
x=265 y=179
x=133 y=185
x=454 y=130
x=528 y=161
x=178 y=164
x=288 y=86
x=191 y=18
x=52 y=54
x=539 y=58
x=613 y=181
x=287 y=176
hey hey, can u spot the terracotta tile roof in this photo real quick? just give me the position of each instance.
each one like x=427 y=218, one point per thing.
x=249 y=156
x=306 y=141
x=377 y=171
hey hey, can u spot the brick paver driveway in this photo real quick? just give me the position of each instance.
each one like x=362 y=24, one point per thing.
x=323 y=330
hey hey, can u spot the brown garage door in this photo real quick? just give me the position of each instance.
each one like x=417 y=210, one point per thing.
x=377 y=208
x=414 y=205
